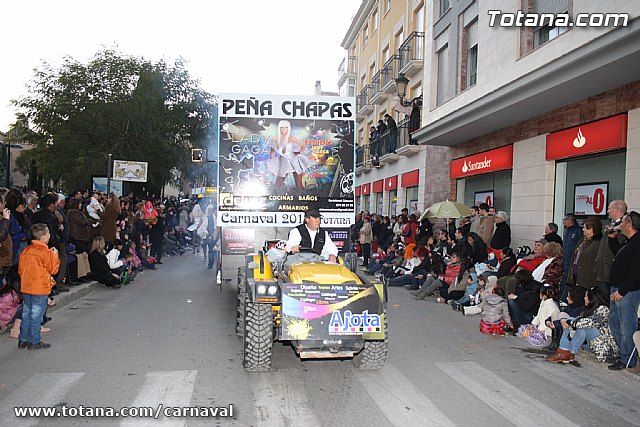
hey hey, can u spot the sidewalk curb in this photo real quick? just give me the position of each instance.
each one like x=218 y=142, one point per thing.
x=75 y=293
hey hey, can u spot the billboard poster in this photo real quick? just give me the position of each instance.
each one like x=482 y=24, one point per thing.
x=316 y=311
x=124 y=170
x=100 y=184
x=591 y=199
x=281 y=155
x=341 y=239
x=483 y=197
x=238 y=241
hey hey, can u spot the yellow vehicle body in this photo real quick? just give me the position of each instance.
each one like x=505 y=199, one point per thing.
x=322 y=274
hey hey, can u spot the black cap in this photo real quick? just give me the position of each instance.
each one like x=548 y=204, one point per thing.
x=312 y=213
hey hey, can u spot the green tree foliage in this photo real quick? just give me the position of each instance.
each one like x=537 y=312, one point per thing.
x=133 y=108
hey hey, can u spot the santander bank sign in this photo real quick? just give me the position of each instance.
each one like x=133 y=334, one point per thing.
x=485 y=162
x=595 y=137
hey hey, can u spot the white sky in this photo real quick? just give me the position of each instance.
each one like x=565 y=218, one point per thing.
x=240 y=46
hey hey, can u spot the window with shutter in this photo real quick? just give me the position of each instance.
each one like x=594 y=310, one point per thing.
x=443 y=75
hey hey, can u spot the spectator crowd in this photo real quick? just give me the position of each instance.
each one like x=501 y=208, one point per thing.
x=577 y=291
x=50 y=243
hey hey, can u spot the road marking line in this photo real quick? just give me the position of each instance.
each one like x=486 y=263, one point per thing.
x=38 y=390
x=595 y=391
x=169 y=388
x=400 y=401
x=515 y=405
x=281 y=399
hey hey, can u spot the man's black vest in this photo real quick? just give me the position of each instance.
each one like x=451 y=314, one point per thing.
x=306 y=239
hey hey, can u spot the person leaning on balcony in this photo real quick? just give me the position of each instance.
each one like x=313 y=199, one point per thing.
x=393 y=132
x=373 y=134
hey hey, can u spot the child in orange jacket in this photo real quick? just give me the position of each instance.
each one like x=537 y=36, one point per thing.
x=37 y=264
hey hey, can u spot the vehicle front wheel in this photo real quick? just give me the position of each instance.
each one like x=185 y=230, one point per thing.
x=374 y=354
x=258 y=337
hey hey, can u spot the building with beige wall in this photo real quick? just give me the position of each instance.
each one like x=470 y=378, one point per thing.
x=531 y=117
x=384 y=41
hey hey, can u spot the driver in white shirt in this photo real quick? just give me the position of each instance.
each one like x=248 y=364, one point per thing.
x=310 y=235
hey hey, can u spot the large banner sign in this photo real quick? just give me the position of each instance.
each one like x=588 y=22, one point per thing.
x=282 y=155
x=124 y=170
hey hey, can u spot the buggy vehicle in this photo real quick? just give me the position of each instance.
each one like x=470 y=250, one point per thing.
x=324 y=309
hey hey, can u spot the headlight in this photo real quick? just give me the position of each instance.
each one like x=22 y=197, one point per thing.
x=262 y=289
x=273 y=289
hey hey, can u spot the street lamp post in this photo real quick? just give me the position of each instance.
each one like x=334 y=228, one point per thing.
x=109 y=175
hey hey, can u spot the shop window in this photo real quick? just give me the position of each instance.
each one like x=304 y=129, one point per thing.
x=379 y=203
x=608 y=168
x=412 y=199
x=393 y=202
x=499 y=183
x=365 y=203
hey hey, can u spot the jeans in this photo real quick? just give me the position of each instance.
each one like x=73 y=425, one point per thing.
x=579 y=337
x=405 y=279
x=366 y=252
x=623 y=321
x=32 y=314
x=518 y=315
x=211 y=244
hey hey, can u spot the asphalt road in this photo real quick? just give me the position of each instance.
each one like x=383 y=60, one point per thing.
x=169 y=339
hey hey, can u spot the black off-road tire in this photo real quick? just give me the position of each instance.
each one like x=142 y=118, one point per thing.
x=241 y=301
x=374 y=354
x=258 y=337
x=351 y=261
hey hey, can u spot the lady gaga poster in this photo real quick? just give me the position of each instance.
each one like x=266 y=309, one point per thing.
x=282 y=155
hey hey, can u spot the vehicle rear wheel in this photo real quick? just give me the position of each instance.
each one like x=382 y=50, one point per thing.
x=374 y=354
x=351 y=261
x=258 y=337
x=242 y=300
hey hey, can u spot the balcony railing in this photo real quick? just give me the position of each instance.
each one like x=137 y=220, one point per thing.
x=347 y=69
x=389 y=142
x=411 y=54
x=388 y=74
x=363 y=100
x=378 y=96
x=362 y=156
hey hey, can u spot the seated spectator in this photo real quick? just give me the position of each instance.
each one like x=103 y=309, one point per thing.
x=100 y=270
x=469 y=294
x=115 y=258
x=442 y=247
x=548 y=308
x=456 y=290
x=495 y=319
x=574 y=308
x=377 y=256
x=529 y=263
x=551 y=270
x=416 y=275
x=507 y=264
x=591 y=327
x=478 y=248
x=434 y=282
x=10 y=312
x=525 y=301
x=389 y=267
